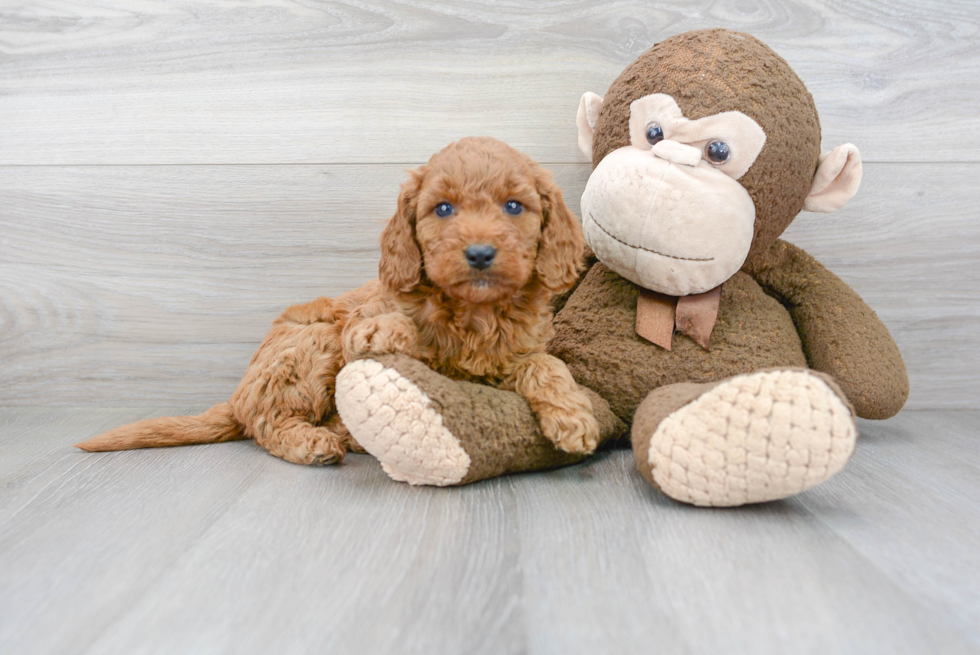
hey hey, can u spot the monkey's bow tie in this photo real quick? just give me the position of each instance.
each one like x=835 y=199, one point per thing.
x=658 y=315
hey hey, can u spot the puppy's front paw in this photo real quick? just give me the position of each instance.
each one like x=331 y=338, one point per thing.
x=572 y=429
x=382 y=335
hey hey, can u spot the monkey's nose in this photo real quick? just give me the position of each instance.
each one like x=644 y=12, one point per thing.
x=676 y=152
x=480 y=256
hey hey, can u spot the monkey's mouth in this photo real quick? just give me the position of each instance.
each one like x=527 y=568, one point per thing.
x=655 y=252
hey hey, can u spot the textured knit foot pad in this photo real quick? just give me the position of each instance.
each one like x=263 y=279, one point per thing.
x=395 y=421
x=754 y=438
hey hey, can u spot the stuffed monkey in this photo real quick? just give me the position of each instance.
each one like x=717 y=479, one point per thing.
x=735 y=361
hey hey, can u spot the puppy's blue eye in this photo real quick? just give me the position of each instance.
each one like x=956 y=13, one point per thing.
x=655 y=134
x=513 y=207
x=444 y=209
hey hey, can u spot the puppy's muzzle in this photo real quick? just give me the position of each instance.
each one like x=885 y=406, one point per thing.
x=480 y=256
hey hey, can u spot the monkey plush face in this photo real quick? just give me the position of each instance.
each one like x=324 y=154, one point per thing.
x=667 y=211
x=704 y=150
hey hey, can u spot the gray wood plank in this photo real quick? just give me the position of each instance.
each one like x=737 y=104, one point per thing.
x=134 y=285
x=918 y=478
x=73 y=560
x=223 y=549
x=615 y=567
x=344 y=561
x=279 y=81
x=33 y=436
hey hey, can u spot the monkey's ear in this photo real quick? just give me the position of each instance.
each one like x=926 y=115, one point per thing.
x=401 y=260
x=836 y=181
x=588 y=114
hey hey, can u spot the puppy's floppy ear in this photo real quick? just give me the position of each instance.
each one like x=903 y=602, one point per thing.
x=401 y=261
x=562 y=246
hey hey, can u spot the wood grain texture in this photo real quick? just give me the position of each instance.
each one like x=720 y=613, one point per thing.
x=127 y=285
x=173 y=174
x=919 y=479
x=281 y=81
x=224 y=549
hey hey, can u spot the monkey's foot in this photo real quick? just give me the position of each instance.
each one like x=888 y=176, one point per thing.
x=394 y=420
x=426 y=429
x=749 y=439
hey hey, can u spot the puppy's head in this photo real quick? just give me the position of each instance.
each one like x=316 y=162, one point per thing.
x=481 y=221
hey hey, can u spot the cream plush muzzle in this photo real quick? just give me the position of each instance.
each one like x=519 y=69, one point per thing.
x=663 y=216
x=667 y=226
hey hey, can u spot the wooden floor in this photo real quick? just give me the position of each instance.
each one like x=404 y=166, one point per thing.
x=224 y=549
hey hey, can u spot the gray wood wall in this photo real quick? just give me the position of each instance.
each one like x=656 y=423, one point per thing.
x=173 y=174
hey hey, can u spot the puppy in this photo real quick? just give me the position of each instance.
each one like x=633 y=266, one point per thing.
x=479 y=244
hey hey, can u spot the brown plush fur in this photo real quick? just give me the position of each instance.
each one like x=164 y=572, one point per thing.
x=711 y=71
x=488 y=325
x=782 y=310
x=596 y=337
x=471 y=412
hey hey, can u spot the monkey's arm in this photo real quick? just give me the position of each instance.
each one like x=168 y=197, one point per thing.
x=841 y=335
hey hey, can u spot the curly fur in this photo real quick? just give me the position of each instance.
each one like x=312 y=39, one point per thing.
x=489 y=326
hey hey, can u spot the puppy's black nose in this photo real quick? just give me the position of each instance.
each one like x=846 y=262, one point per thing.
x=480 y=256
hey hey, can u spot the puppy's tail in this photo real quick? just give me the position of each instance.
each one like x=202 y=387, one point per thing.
x=213 y=426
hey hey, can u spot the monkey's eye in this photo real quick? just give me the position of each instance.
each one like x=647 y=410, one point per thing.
x=444 y=209
x=513 y=207
x=655 y=134
x=717 y=152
